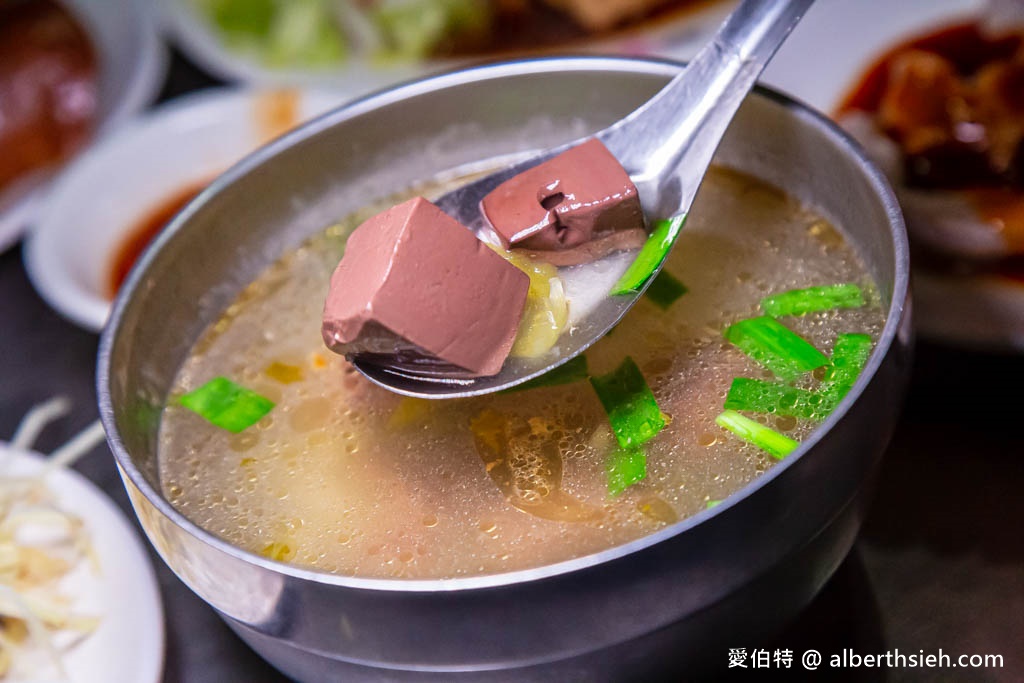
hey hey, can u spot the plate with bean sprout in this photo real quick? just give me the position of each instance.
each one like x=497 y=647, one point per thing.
x=79 y=601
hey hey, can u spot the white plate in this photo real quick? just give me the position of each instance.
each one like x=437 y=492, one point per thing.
x=102 y=195
x=128 y=645
x=132 y=61
x=678 y=37
x=823 y=59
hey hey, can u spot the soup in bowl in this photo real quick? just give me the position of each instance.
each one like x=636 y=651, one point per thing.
x=347 y=532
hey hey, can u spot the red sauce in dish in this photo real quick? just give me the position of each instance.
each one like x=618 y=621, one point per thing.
x=953 y=100
x=275 y=112
x=144 y=231
x=48 y=87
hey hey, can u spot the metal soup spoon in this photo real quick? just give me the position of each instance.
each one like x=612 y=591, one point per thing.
x=666 y=147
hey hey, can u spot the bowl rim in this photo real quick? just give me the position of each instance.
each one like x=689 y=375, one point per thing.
x=151 y=63
x=621 y=65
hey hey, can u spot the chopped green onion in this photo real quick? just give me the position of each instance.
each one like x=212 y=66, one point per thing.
x=626 y=466
x=712 y=504
x=758 y=396
x=632 y=409
x=227 y=405
x=775 y=346
x=811 y=299
x=767 y=439
x=850 y=354
x=651 y=255
x=571 y=371
x=665 y=289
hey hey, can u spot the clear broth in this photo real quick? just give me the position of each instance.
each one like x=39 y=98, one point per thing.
x=349 y=478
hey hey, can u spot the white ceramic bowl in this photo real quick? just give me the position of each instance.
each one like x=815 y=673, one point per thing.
x=132 y=62
x=104 y=194
x=677 y=37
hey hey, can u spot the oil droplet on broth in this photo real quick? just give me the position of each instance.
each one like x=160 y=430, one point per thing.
x=785 y=423
x=706 y=439
x=658 y=509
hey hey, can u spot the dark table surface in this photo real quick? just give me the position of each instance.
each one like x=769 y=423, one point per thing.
x=939 y=564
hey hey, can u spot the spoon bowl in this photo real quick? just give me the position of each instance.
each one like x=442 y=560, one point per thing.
x=666 y=146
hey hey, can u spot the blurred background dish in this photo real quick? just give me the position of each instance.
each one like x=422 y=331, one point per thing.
x=935 y=94
x=79 y=595
x=115 y=197
x=128 y=643
x=363 y=45
x=70 y=72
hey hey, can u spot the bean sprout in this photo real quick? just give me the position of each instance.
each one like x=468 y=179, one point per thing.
x=40 y=544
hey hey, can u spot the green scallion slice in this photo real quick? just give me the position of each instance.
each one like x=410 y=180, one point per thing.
x=571 y=371
x=775 y=346
x=767 y=439
x=227 y=405
x=632 y=409
x=759 y=396
x=626 y=466
x=651 y=255
x=850 y=354
x=712 y=504
x=811 y=299
x=665 y=289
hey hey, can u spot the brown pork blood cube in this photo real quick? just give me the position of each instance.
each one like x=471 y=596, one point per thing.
x=564 y=201
x=415 y=280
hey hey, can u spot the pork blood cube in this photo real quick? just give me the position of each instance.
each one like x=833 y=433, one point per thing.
x=414 y=279
x=563 y=202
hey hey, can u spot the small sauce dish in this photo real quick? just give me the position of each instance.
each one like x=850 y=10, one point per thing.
x=125 y=188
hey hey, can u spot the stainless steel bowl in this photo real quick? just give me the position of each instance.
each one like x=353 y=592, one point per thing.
x=688 y=591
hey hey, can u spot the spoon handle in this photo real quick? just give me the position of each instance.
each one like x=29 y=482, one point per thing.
x=667 y=144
